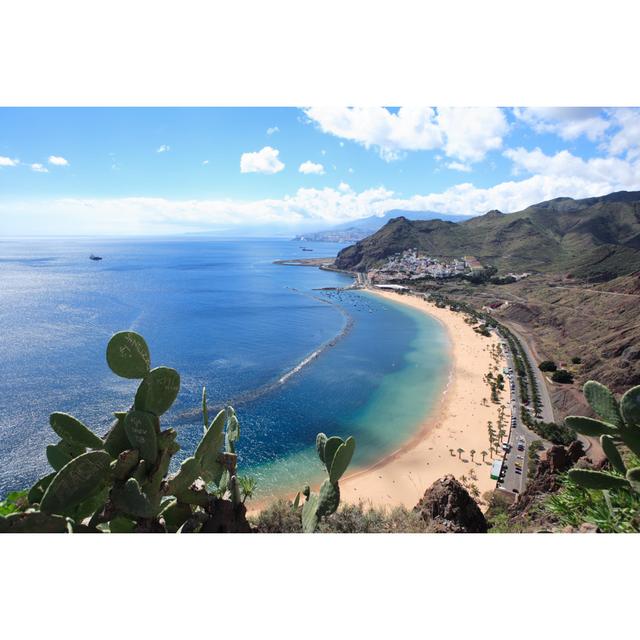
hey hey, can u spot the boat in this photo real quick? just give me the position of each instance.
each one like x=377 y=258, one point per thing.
x=305 y=249
x=92 y=257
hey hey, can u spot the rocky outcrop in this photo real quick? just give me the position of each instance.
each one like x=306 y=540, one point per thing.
x=447 y=507
x=558 y=459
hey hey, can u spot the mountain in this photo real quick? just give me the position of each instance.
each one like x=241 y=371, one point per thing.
x=595 y=238
x=356 y=230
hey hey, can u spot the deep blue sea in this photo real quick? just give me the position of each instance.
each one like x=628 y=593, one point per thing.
x=226 y=317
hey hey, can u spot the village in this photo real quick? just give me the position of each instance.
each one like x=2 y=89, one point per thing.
x=415 y=265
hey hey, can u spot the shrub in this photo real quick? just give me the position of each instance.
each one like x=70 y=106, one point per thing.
x=547 y=365
x=576 y=360
x=563 y=376
x=556 y=433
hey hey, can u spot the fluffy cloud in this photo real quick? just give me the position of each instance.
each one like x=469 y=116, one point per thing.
x=607 y=174
x=58 y=161
x=8 y=162
x=463 y=133
x=263 y=161
x=163 y=148
x=567 y=122
x=551 y=176
x=39 y=168
x=311 y=167
x=272 y=130
x=627 y=138
x=458 y=166
x=471 y=132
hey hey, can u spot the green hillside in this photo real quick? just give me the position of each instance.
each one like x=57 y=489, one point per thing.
x=595 y=238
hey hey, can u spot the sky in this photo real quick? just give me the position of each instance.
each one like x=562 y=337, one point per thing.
x=279 y=171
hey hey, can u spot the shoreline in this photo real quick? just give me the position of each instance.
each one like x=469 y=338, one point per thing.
x=457 y=420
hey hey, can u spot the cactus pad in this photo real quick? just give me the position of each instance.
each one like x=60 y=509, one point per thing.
x=597 y=479
x=72 y=430
x=329 y=498
x=630 y=407
x=321 y=441
x=77 y=481
x=310 y=514
x=158 y=390
x=603 y=402
x=141 y=430
x=128 y=355
x=590 y=426
x=342 y=459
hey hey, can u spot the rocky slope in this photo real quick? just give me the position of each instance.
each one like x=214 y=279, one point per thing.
x=593 y=238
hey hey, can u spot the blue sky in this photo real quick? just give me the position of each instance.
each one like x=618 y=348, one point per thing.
x=264 y=171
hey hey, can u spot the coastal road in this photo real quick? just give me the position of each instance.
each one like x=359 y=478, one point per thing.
x=514 y=482
x=543 y=390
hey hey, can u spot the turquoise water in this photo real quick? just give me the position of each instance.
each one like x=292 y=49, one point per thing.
x=226 y=317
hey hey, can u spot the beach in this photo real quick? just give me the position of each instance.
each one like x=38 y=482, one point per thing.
x=459 y=422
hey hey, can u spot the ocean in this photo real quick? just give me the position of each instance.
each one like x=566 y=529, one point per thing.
x=226 y=317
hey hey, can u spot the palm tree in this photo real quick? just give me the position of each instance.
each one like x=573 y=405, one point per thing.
x=483 y=454
x=460 y=450
x=472 y=453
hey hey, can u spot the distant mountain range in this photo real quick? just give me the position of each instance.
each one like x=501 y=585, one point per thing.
x=356 y=230
x=596 y=238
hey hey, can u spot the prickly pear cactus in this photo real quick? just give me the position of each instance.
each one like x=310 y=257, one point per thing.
x=128 y=355
x=620 y=425
x=336 y=454
x=122 y=483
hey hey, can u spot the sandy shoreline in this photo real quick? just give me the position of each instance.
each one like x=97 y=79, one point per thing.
x=460 y=421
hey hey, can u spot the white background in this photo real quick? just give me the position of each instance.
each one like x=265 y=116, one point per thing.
x=319 y=53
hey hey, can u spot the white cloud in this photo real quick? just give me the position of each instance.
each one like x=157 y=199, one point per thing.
x=39 y=168
x=272 y=130
x=567 y=122
x=58 y=161
x=458 y=166
x=263 y=161
x=350 y=170
x=205 y=162
x=627 y=138
x=471 y=132
x=311 y=167
x=463 y=133
x=607 y=174
x=8 y=162
x=163 y=148
x=561 y=174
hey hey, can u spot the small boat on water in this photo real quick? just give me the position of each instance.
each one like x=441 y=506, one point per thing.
x=92 y=257
x=305 y=249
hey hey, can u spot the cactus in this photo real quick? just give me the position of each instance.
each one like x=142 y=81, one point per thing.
x=77 y=481
x=121 y=483
x=620 y=424
x=73 y=431
x=158 y=390
x=336 y=454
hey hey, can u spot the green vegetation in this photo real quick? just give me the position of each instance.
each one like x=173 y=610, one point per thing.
x=612 y=510
x=120 y=483
x=547 y=365
x=335 y=453
x=618 y=430
x=588 y=238
x=563 y=376
x=556 y=433
x=282 y=517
